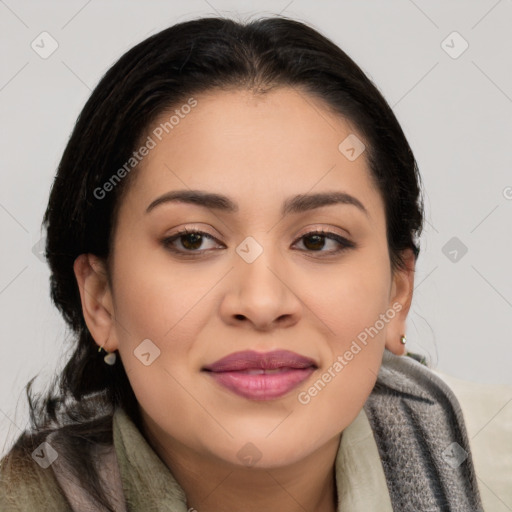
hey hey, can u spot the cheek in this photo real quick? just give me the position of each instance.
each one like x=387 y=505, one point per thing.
x=353 y=298
x=155 y=302
x=153 y=297
x=353 y=356
x=336 y=397
x=357 y=312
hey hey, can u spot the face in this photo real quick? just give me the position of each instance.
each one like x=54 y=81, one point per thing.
x=250 y=277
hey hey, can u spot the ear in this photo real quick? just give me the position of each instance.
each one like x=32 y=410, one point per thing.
x=400 y=300
x=91 y=275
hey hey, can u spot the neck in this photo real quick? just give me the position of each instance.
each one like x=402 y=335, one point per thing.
x=213 y=485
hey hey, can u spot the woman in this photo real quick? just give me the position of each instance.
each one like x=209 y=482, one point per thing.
x=232 y=236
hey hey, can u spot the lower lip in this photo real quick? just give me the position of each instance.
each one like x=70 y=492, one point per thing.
x=265 y=386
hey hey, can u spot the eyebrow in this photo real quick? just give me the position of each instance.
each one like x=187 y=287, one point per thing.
x=295 y=204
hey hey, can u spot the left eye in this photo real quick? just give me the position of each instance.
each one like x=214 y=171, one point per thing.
x=314 y=241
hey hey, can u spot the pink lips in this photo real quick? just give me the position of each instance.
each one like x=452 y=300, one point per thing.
x=261 y=376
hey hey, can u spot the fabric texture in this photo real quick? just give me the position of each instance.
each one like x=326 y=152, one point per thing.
x=394 y=456
x=422 y=439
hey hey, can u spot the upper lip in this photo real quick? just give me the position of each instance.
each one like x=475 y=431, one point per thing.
x=249 y=359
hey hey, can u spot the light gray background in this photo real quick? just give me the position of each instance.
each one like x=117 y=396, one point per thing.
x=456 y=113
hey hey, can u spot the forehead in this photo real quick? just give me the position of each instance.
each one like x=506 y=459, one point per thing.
x=258 y=149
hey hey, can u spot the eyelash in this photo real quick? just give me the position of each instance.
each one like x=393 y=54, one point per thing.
x=167 y=242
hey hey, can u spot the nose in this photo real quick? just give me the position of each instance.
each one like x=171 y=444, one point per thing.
x=261 y=294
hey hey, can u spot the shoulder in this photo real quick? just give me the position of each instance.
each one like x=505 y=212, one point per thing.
x=26 y=480
x=487 y=412
x=67 y=468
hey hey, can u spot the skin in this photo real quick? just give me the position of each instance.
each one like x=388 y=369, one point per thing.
x=296 y=295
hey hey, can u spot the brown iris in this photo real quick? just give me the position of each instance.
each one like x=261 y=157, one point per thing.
x=195 y=240
x=318 y=241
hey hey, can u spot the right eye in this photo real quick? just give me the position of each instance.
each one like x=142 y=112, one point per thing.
x=190 y=241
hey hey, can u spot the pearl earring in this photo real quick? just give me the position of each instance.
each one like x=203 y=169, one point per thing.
x=110 y=357
x=403 y=339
